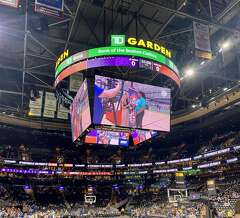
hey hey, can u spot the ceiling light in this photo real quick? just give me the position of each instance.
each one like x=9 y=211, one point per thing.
x=189 y=72
x=226 y=45
x=225 y=89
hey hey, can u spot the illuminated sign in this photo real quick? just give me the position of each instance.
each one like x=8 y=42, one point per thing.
x=144 y=54
x=62 y=57
x=211 y=182
x=118 y=61
x=120 y=40
x=149 y=45
x=113 y=51
x=179 y=174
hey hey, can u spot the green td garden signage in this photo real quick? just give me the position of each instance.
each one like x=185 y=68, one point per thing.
x=120 y=40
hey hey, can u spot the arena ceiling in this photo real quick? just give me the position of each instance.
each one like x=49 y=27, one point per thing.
x=30 y=42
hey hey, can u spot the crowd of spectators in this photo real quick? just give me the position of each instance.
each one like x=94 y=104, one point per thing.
x=226 y=200
x=57 y=211
x=143 y=204
x=190 y=210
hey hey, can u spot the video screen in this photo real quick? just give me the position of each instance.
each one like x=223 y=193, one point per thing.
x=107 y=138
x=141 y=136
x=131 y=104
x=80 y=112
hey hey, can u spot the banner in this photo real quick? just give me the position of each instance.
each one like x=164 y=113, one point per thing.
x=35 y=107
x=75 y=82
x=38 y=102
x=62 y=112
x=50 y=105
x=50 y=101
x=11 y=3
x=48 y=113
x=202 y=40
x=36 y=112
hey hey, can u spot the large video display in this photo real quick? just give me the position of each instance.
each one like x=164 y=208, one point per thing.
x=80 y=112
x=107 y=138
x=130 y=104
x=140 y=136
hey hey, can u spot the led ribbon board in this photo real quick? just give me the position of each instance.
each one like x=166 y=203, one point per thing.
x=113 y=56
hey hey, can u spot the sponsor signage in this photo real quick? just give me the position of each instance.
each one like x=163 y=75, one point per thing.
x=115 y=51
x=121 y=40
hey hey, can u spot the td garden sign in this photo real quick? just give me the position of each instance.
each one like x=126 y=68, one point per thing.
x=120 y=40
x=123 y=52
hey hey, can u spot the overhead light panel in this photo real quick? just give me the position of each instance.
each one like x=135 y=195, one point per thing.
x=189 y=72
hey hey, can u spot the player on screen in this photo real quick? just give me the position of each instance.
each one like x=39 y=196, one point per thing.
x=125 y=105
x=100 y=93
x=140 y=107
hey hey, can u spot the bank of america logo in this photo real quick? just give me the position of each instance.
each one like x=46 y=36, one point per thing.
x=118 y=40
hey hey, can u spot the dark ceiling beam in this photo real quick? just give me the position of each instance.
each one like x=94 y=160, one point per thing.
x=39 y=66
x=152 y=18
x=169 y=20
x=197 y=19
x=145 y=28
x=146 y=18
x=40 y=57
x=19 y=69
x=68 y=9
x=112 y=24
x=20 y=35
x=134 y=17
x=101 y=13
x=59 y=22
x=229 y=7
x=72 y=26
x=210 y=8
x=41 y=45
x=178 y=32
x=98 y=41
x=11 y=92
x=206 y=11
x=223 y=78
x=226 y=16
